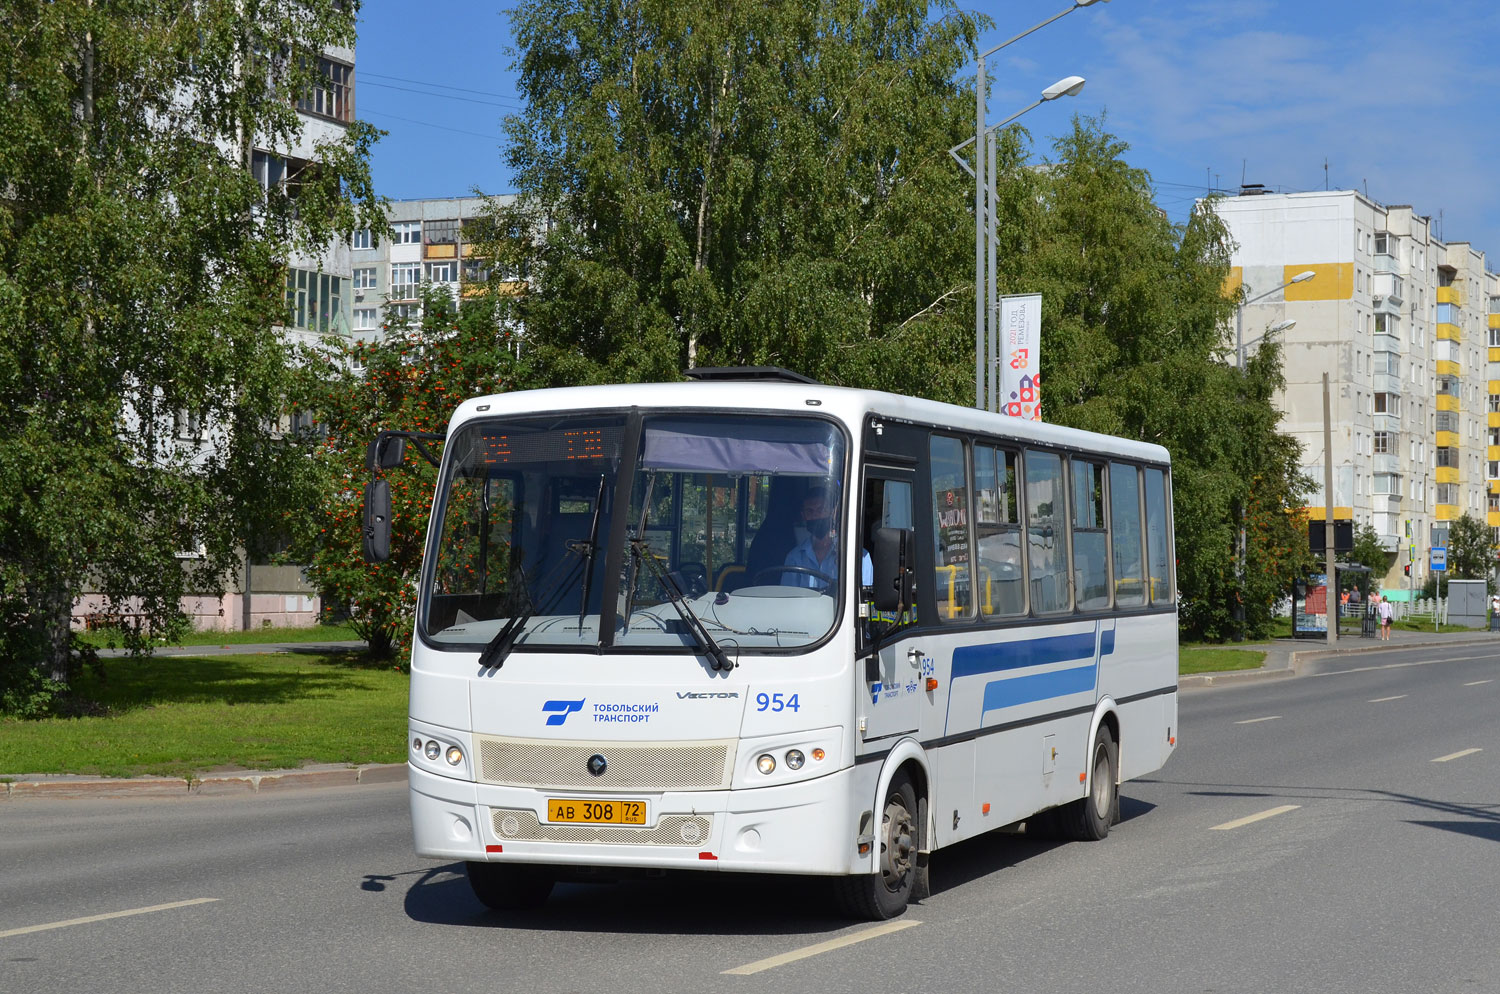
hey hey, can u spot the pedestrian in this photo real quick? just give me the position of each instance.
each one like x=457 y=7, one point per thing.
x=1385 y=620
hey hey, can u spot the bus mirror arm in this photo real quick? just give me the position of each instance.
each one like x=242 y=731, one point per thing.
x=388 y=449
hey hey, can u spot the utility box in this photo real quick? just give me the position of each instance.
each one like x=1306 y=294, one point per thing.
x=1466 y=603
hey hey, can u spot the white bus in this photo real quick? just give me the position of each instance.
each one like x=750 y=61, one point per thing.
x=757 y=624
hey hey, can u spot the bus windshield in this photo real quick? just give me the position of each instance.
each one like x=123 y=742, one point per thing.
x=729 y=521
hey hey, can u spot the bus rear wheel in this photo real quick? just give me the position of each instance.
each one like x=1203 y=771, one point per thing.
x=885 y=893
x=1088 y=818
x=510 y=887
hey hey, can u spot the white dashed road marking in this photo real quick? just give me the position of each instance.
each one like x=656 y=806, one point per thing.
x=99 y=918
x=1382 y=700
x=876 y=931
x=1251 y=819
x=1457 y=755
x=1252 y=721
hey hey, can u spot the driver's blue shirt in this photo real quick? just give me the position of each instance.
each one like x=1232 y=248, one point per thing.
x=803 y=555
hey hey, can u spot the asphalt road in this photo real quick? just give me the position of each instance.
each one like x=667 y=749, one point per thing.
x=1334 y=832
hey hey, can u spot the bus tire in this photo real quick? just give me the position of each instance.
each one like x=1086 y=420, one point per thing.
x=508 y=886
x=1088 y=818
x=885 y=893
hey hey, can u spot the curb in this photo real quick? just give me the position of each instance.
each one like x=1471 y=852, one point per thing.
x=65 y=787
x=1295 y=659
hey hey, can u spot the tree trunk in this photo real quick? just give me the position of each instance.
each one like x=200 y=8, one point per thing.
x=58 y=610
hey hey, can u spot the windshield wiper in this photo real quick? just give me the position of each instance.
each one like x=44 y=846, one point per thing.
x=640 y=548
x=591 y=553
x=493 y=654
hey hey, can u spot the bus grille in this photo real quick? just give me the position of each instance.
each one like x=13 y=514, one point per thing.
x=651 y=767
x=671 y=830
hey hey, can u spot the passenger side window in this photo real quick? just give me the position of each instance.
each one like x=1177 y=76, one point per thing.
x=1090 y=540
x=1158 y=538
x=1002 y=574
x=950 y=510
x=1125 y=535
x=1046 y=532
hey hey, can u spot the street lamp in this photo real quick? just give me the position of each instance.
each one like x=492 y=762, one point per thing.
x=981 y=188
x=1239 y=315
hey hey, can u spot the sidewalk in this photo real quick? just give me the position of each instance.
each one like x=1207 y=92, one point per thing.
x=1284 y=656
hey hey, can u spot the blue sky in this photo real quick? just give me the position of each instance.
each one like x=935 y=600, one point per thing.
x=1398 y=97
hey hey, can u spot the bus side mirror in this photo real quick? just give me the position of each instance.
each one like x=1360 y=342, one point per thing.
x=891 y=563
x=387 y=451
x=377 y=523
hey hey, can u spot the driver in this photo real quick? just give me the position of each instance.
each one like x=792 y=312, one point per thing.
x=819 y=549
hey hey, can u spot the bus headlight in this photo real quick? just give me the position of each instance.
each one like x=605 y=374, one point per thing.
x=433 y=750
x=794 y=759
x=766 y=763
x=455 y=755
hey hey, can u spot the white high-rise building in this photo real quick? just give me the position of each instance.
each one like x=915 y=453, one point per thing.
x=1407 y=327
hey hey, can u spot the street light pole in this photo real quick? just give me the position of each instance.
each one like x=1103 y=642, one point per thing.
x=982 y=171
x=1239 y=315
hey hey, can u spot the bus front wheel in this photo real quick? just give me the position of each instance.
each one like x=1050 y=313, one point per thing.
x=510 y=887
x=885 y=893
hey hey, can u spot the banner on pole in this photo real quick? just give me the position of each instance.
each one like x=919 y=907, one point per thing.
x=1020 y=356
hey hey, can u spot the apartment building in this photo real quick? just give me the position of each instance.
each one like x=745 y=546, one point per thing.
x=433 y=241
x=1407 y=327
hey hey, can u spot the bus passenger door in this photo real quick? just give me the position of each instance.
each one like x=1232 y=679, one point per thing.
x=892 y=674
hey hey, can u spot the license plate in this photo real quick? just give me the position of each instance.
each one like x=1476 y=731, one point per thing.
x=596 y=812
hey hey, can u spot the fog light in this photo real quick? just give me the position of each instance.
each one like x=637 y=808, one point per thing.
x=434 y=749
x=766 y=763
x=416 y=745
x=794 y=759
x=455 y=755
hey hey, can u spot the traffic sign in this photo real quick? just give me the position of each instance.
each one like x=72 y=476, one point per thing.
x=1439 y=561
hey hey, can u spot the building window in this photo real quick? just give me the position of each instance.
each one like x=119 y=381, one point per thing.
x=316 y=302
x=405 y=278
x=1447 y=385
x=364 y=278
x=361 y=239
x=442 y=232
x=1445 y=421
x=332 y=92
x=365 y=319
x=1386 y=443
x=1447 y=456
x=442 y=272
x=407 y=232
x=1447 y=493
x=1387 y=483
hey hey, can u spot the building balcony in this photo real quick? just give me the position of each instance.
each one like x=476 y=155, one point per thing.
x=1449 y=332
x=1445 y=402
x=1385 y=463
x=1446 y=474
x=1446 y=439
x=1450 y=295
x=1385 y=263
x=1384 y=303
x=1447 y=512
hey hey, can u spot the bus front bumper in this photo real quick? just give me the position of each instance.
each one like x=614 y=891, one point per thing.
x=808 y=827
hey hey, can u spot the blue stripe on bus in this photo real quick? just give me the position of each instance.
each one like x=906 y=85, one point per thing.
x=972 y=660
x=1037 y=687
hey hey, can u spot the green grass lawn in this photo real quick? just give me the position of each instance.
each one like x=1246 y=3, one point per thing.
x=104 y=638
x=1195 y=660
x=186 y=715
